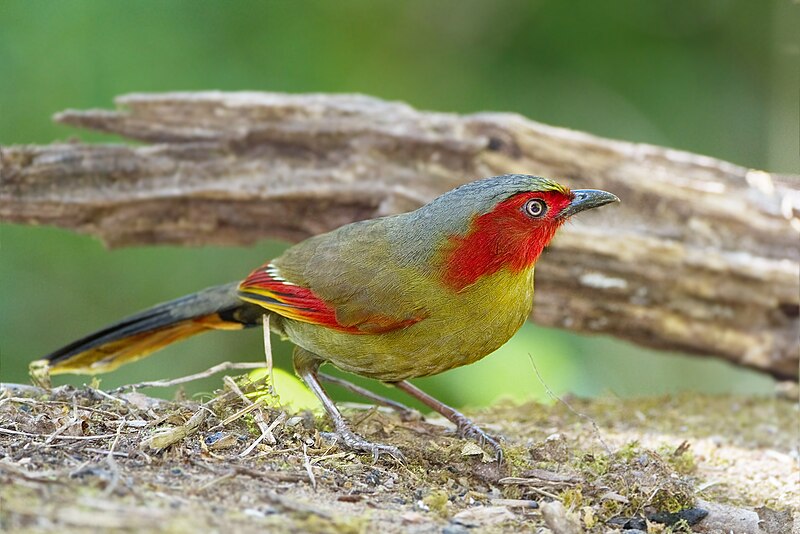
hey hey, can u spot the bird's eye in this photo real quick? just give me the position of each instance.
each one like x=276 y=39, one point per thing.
x=535 y=207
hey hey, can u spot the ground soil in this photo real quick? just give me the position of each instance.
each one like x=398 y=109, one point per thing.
x=88 y=461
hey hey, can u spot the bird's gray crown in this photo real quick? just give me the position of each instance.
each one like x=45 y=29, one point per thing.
x=451 y=213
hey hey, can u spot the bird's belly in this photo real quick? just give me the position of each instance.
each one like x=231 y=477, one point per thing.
x=466 y=328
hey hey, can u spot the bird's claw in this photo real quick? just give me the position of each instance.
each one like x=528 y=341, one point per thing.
x=468 y=430
x=353 y=441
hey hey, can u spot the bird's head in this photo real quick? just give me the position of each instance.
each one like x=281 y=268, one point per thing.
x=504 y=222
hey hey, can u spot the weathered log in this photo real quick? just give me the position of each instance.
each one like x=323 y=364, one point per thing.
x=701 y=256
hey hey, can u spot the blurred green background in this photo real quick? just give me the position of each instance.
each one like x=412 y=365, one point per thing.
x=716 y=77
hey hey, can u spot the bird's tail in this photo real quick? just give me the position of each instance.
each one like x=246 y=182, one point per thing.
x=132 y=338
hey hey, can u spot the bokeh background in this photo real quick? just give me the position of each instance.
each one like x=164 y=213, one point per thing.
x=717 y=77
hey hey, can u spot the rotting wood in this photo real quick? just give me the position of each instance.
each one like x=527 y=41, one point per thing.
x=701 y=256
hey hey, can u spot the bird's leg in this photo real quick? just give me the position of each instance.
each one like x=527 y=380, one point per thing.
x=306 y=365
x=405 y=412
x=464 y=426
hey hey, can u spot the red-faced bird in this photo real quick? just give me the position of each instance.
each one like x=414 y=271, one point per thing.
x=392 y=298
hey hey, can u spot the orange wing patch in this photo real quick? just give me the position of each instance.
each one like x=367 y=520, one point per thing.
x=266 y=287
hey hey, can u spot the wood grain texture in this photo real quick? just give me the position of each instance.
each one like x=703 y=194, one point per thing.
x=701 y=256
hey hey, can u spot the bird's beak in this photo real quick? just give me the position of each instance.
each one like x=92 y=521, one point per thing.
x=586 y=199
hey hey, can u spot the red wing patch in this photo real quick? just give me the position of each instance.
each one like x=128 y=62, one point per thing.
x=267 y=288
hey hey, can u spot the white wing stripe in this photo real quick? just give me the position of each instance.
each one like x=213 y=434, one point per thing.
x=275 y=274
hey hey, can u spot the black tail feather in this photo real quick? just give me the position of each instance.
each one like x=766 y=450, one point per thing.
x=216 y=307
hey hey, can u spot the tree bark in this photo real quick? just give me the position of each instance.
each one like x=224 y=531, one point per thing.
x=701 y=256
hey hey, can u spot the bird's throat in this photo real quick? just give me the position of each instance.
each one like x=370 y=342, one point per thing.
x=494 y=242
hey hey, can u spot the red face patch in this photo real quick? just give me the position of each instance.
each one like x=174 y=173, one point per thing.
x=508 y=236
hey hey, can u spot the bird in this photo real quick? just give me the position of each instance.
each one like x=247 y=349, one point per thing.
x=392 y=298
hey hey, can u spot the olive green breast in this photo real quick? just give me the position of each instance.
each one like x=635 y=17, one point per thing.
x=460 y=328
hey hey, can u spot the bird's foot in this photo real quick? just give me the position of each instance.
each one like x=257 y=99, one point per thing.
x=465 y=428
x=350 y=440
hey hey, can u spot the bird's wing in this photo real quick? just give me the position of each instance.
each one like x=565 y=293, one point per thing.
x=347 y=279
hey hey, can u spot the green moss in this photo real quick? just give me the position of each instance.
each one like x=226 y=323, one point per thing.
x=672 y=500
x=592 y=464
x=250 y=422
x=681 y=526
x=437 y=501
x=572 y=498
x=315 y=524
x=629 y=451
x=610 y=508
x=642 y=476
x=681 y=459
x=512 y=492
x=516 y=457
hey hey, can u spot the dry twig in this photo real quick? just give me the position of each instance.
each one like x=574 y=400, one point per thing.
x=224 y=366
x=261 y=422
x=164 y=438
